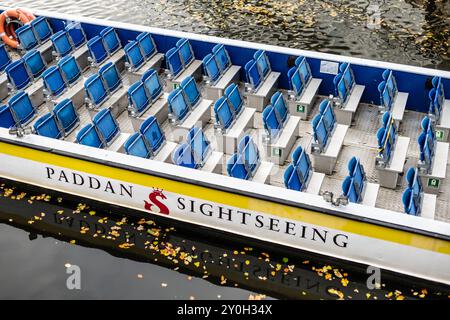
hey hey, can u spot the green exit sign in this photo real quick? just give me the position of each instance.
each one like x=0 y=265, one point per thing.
x=175 y=85
x=434 y=183
x=276 y=152
x=300 y=108
x=440 y=135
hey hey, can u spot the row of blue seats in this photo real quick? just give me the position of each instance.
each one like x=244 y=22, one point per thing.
x=215 y=64
x=101 y=85
x=427 y=142
x=35 y=33
x=344 y=82
x=386 y=136
x=228 y=107
x=388 y=89
x=194 y=152
x=183 y=99
x=147 y=141
x=323 y=124
x=143 y=93
x=5 y=58
x=101 y=47
x=297 y=174
x=179 y=57
x=412 y=196
x=23 y=72
x=257 y=69
x=139 y=51
x=58 y=78
x=299 y=76
x=58 y=123
x=353 y=184
x=245 y=162
x=19 y=111
x=102 y=132
x=437 y=98
x=275 y=115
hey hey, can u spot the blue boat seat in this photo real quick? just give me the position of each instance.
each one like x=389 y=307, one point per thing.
x=66 y=115
x=48 y=126
x=409 y=205
x=54 y=82
x=271 y=121
x=253 y=74
x=211 y=68
x=279 y=104
x=425 y=149
x=18 y=74
x=223 y=112
x=26 y=37
x=178 y=106
x=262 y=61
x=5 y=58
x=222 y=57
x=42 y=28
x=234 y=98
x=200 y=146
x=190 y=89
x=186 y=52
x=356 y=171
x=304 y=69
x=76 y=34
x=107 y=125
x=349 y=189
x=22 y=108
x=250 y=153
x=152 y=83
x=6 y=117
x=97 y=50
x=138 y=97
x=153 y=134
x=386 y=136
x=329 y=118
x=236 y=167
x=135 y=145
x=96 y=90
x=35 y=63
x=147 y=44
x=320 y=131
x=183 y=156
x=173 y=61
x=89 y=136
x=295 y=81
x=298 y=172
x=341 y=87
x=111 y=40
x=385 y=97
x=110 y=76
x=61 y=43
x=347 y=75
x=412 y=195
x=134 y=55
x=70 y=69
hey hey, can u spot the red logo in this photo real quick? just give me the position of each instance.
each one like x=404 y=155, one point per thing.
x=154 y=202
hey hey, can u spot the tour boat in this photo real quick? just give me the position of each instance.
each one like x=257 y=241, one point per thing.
x=340 y=156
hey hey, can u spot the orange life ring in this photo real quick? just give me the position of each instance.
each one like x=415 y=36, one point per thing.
x=7 y=32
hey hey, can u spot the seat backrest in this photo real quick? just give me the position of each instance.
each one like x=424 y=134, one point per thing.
x=304 y=70
x=183 y=156
x=107 y=125
x=152 y=132
x=425 y=148
x=236 y=167
x=342 y=90
x=385 y=97
x=97 y=50
x=5 y=58
x=224 y=113
x=96 y=90
x=6 y=117
x=27 y=37
x=66 y=115
x=295 y=81
x=408 y=202
x=414 y=183
x=42 y=28
x=279 y=105
x=76 y=34
x=110 y=76
x=250 y=154
x=47 y=126
x=178 y=105
x=18 y=74
x=111 y=40
x=270 y=120
x=153 y=84
x=22 y=108
x=253 y=74
x=186 y=52
x=136 y=146
x=35 y=63
x=349 y=190
x=88 y=136
x=391 y=84
x=262 y=61
x=173 y=61
x=234 y=98
x=327 y=112
x=356 y=171
x=190 y=89
x=134 y=55
x=147 y=44
x=303 y=166
x=54 y=81
x=222 y=57
x=291 y=179
x=199 y=144
x=320 y=131
x=61 y=43
x=138 y=97
x=211 y=68
x=70 y=69
x=347 y=75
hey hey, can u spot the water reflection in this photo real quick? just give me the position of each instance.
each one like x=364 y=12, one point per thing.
x=169 y=263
